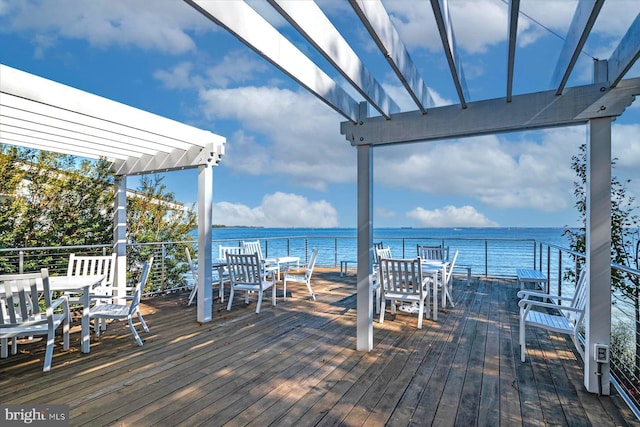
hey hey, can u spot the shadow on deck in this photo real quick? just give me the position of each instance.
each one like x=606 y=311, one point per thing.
x=296 y=364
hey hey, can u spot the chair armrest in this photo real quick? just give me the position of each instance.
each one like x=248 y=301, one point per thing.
x=526 y=294
x=63 y=299
x=528 y=304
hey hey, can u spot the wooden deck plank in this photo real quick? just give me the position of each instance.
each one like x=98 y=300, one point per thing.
x=510 y=413
x=296 y=364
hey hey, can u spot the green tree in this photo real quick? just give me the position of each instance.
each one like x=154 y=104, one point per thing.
x=50 y=199
x=625 y=243
x=153 y=215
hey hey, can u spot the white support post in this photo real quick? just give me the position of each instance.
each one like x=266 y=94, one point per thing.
x=598 y=252
x=120 y=236
x=364 y=306
x=205 y=209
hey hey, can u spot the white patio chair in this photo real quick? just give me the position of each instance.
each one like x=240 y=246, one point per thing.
x=83 y=265
x=381 y=252
x=301 y=274
x=447 y=281
x=27 y=312
x=253 y=247
x=246 y=272
x=402 y=280
x=565 y=318
x=194 y=275
x=124 y=311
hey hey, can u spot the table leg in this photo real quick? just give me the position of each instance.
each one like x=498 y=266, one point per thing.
x=434 y=316
x=86 y=327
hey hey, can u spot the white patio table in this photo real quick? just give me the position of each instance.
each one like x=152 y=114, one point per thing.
x=275 y=264
x=83 y=285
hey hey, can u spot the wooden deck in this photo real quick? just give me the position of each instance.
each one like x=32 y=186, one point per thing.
x=296 y=364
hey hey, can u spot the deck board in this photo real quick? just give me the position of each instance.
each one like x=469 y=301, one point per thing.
x=296 y=364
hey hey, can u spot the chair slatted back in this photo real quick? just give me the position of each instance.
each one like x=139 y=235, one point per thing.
x=140 y=284
x=402 y=276
x=245 y=268
x=383 y=253
x=224 y=250
x=435 y=252
x=19 y=295
x=253 y=248
x=192 y=266
x=83 y=265
x=312 y=262
x=376 y=246
x=579 y=300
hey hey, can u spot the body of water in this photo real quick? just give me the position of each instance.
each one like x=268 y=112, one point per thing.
x=492 y=251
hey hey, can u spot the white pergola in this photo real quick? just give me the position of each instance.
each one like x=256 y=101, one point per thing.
x=596 y=105
x=46 y=115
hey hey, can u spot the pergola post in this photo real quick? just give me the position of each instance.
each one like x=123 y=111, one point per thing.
x=364 y=304
x=120 y=235
x=598 y=253
x=598 y=245
x=205 y=213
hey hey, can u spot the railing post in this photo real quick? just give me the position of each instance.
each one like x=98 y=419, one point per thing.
x=335 y=252
x=21 y=262
x=164 y=256
x=549 y=267
x=559 y=273
x=486 y=258
x=535 y=254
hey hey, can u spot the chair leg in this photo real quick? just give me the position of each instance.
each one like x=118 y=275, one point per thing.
x=382 y=304
x=260 y=292
x=310 y=291
x=273 y=294
x=133 y=331
x=142 y=322
x=192 y=295
x=48 y=355
x=522 y=340
x=284 y=286
x=65 y=333
x=230 y=299
x=4 y=347
x=420 y=313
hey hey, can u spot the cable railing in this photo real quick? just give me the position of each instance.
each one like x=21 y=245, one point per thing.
x=485 y=257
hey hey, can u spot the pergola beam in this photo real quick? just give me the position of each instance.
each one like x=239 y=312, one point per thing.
x=626 y=54
x=375 y=18
x=514 y=12
x=314 y=25
x=583 y=19
x=253 y=30
x=530 y=111
x=445 y=29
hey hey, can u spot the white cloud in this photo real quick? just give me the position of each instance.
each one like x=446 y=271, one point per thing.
x=451 y=216
x=502 y=172
x=384 y=213
x=152 y=25
x=278 y=210
x=303 y=135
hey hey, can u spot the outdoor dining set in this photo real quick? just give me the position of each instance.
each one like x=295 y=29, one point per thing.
x=414 y=282
x=245 y=269
x=28 y=307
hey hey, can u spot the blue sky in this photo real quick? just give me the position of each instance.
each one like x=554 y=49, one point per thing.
x=286 y=163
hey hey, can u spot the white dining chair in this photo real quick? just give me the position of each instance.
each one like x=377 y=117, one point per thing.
x=301 y=274
x=103 y=312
